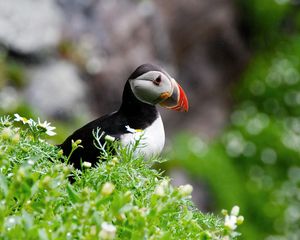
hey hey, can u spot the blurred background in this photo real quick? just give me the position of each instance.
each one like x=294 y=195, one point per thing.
x=66 y=61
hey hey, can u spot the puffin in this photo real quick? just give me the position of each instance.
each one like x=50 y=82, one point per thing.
x=148 y=86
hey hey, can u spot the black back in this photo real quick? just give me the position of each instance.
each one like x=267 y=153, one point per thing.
x=134 y=113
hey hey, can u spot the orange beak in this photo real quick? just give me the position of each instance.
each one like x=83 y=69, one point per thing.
x=177 y=100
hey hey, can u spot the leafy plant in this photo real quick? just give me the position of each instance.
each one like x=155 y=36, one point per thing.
x=122 y=198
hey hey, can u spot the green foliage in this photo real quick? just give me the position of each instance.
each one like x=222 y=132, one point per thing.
x=267 y=21
x=11 y=72
x=122 y=198
x=255 y=163
x=12 y=80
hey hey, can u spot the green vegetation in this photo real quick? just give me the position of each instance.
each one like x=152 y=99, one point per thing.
x=122 y=198
x=12 y=81
x=255 y=162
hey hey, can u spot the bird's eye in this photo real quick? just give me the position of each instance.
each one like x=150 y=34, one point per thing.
x=157 y=81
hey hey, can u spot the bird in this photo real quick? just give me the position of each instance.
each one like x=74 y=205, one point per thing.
x=148 y=86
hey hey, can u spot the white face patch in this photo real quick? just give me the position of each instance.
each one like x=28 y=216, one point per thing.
x=146 y=90
x=152 y=139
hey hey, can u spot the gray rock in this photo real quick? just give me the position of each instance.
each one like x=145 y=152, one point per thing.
x=56 y=90
x=28 y=26
x=116 y=37
x=209 y=54
x=196 y=41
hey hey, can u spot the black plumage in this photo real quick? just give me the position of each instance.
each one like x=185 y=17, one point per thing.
x=132 y=112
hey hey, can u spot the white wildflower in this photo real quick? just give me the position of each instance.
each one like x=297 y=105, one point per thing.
x=46 y=126
x=230 y=222
x=107 y=189
x=18 y=118
x=24 y=120
x=30 y=122
x=11 y=221
x=30 y=162
x=108 y=231
x=233 y=220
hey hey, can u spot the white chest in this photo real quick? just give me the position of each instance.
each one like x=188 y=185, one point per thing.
x=152 y=139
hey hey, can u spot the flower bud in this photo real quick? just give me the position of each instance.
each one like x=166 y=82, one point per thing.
x=121 y=217
x=115 y=160
x=164 y=183
x=107 y=189
x=109 y=138
x=6 y=133
x=159 y=191
x=76 y=143
x=93 y=230
x=15 y=138
x=60 y=153
x=128 y=196
x=66 y=169
x=20 y=174
x=224 y=212
x=108 y=231
x=46 y=180
x=87 y=164
x=235 y=210
x=240 y=220
x=185 y=190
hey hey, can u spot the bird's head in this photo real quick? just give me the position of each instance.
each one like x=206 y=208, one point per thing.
x=151 y=84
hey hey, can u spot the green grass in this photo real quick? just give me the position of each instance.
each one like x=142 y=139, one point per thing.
x=122 y=198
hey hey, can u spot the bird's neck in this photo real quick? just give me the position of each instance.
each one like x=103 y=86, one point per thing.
x=134 y=109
